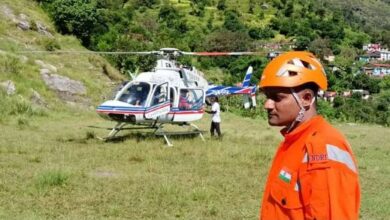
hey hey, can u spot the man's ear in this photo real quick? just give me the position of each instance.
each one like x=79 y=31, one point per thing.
x=307 y=97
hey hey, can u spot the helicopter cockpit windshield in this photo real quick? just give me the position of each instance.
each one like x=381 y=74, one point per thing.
x=135 y=94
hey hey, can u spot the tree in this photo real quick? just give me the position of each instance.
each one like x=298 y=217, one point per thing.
x=146 y=3
x=259 y=33
x=221 y=5
x=302 y=43
x=289 y=9
x=197 y=8
x=385 y=83
x=227 y=41
x=232 y=22
x=173 y=20
x=78 y=17
x=251 y=6
x=111 y=4
x=320 y=47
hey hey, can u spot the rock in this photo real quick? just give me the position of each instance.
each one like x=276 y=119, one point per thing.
x=51 y=68
x=46 y=66
x=45 y=71
x=62 y=83
x=37 y=99
x=23 y=23
x=23 y=59
x=7 y=12
x=23 y=17
x=40 y=63
x=42 y=29
x=9 y=87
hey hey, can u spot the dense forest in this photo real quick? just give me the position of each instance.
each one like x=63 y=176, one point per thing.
x=323 y=27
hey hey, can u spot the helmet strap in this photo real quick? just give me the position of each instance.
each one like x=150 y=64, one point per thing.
x=301 y=113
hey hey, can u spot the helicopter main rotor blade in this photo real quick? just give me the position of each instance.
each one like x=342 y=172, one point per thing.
x=89 y=52
x=223 y=53
x=162 y=52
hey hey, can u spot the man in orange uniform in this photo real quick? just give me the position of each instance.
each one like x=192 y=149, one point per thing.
x=314 y=173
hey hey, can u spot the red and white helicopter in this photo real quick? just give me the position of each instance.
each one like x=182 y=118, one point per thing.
x=169 y=94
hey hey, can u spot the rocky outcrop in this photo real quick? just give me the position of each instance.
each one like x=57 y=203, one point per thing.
x=42 y=29
x=43 y=65
x=23 y=22
x=9 y=87
x=37 y=99
x=62 y=83
x=69 y=90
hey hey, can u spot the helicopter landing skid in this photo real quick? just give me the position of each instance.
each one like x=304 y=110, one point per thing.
x=194 y=131
x=117 y=128
x=121 y=126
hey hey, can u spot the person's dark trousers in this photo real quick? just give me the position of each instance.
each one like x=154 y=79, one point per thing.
x=215 y=127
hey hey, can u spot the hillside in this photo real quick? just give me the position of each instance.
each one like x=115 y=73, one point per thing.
x=41 y=83
x=224 y=25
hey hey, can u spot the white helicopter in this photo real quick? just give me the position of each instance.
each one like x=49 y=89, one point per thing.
x=169 y=94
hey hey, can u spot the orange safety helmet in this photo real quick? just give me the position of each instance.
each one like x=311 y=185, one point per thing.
x=293 y=69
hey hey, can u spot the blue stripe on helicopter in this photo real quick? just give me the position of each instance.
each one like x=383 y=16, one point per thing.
x=229 y=91
x=121 y=108
x=134 y=109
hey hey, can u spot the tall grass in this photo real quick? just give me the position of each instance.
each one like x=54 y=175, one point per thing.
x=51 y=178
x=10 y=64
x=16 y=105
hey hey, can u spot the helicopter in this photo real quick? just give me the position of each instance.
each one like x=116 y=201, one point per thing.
x=170 y=93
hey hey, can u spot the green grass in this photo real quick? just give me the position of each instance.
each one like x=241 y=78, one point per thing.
x=54 y=167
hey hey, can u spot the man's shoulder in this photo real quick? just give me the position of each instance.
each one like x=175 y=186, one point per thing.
x=326 y=131
x=325 y=141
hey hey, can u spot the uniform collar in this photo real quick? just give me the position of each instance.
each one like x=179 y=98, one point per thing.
x=302 y=128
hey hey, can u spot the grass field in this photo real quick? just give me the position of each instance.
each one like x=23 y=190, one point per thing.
x=52 y=167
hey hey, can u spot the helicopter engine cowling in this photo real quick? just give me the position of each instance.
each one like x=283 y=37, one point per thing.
x=122 y=117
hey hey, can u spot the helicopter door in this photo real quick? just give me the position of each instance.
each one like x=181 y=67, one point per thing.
x=159 y=102
x=189 y=105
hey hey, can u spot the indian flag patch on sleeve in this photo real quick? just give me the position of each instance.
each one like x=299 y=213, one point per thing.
x=285 y=176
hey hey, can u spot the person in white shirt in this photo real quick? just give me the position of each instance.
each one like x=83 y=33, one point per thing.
x=216 y=118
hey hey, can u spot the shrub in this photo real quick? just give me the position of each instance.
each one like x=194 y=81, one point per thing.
x=51 y=179
x=50 y=44
x=325 y=108
x=10 y=64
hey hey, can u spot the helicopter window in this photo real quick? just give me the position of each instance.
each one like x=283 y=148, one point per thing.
x=190 y=99
x=136 y=94
x=160 y=95
x=118 y=88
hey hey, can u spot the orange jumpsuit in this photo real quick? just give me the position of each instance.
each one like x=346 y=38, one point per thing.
x=313 y=176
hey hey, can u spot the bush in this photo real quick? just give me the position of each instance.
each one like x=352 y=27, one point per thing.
x=78 y=17
x=18 y=106
x=234 y=104
x=326 y=109
x=10 y=64
x=51 y=179
x=50 y=44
